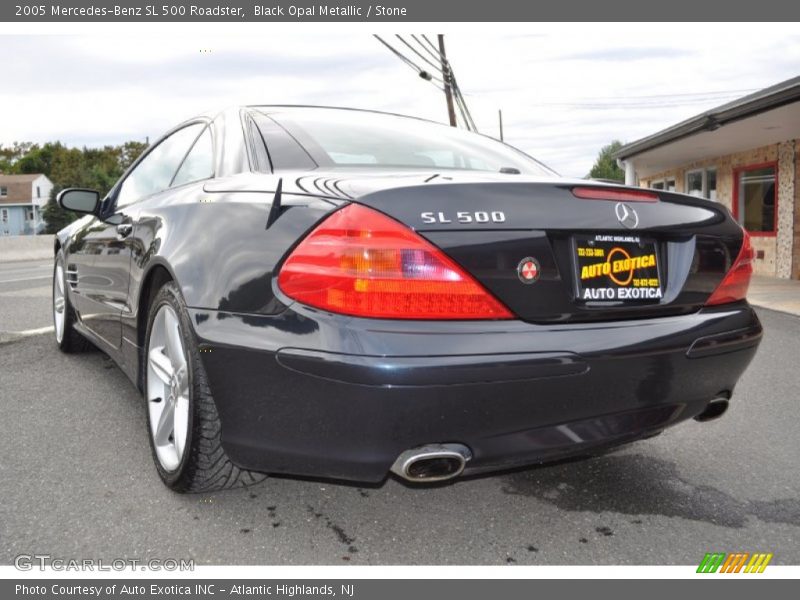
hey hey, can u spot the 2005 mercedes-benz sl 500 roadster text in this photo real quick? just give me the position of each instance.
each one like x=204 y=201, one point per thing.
x=342 y=293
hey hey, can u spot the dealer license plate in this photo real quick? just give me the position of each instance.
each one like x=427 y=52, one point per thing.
x=614 y=267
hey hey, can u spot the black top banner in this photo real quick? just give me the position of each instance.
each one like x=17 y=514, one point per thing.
x=397 y=11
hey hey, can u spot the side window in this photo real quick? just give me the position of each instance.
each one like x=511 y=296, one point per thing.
x=199 y=163
x=157 y=169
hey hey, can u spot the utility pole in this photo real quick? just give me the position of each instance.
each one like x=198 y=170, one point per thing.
x=500 y=117
x=448 y=90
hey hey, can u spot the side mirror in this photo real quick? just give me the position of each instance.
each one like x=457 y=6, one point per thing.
x=79 y=200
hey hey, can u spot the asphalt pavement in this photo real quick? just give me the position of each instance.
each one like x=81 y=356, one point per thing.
x=77 y=480
x=25 y=295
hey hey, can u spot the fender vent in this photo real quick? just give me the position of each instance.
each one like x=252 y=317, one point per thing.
x=72 y=276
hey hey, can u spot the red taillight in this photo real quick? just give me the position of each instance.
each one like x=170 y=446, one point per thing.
x=603 y=193
x=734 y=285
x=361 y=262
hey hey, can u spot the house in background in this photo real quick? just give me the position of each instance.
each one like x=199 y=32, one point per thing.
x=745 y=155
x=22 y=198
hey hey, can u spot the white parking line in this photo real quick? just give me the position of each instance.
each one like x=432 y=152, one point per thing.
x=37 y=331
x=27 y=268
x=24 y=279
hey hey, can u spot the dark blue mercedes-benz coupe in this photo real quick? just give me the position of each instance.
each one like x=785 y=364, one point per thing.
x=343 y=293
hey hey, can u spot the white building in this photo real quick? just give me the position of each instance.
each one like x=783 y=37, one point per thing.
x=22 y=199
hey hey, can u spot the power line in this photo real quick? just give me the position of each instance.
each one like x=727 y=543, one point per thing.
x=435 y=49
x=461 y=110
x=414 y=50
x=421 y=72
x=440 y=68
x=470 y=123
x=447 y=72
x=450 y=85
x=461 y=103
x=435 y=56
x=408 y=61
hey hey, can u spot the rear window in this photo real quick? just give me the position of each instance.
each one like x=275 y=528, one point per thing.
x=306 y=139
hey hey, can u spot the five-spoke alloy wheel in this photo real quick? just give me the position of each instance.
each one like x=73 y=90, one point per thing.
x=64 y=318
x=167 y=388
x=182 y=419
x=59 y=303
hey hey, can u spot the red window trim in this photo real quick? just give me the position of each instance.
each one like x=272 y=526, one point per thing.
x=736 y=171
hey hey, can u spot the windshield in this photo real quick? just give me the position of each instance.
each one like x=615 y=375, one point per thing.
x=311 y=138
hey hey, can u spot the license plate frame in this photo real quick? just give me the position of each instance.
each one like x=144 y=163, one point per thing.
x=616 y=268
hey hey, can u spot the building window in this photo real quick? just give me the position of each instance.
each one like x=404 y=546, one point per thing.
x=694 y=183
x=3 y=191
x=4 y=215
x=38 y=192
x=29 y=214
x=702 y=183
x=711 y=184
x=667 y=184
x=755 y=198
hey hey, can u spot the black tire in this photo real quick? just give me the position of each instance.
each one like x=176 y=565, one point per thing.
x=204 y=467
x=71 y=341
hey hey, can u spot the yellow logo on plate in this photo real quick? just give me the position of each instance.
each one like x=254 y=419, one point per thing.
x=613 y=267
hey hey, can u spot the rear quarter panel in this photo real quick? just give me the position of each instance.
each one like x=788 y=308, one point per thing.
x=216 y=246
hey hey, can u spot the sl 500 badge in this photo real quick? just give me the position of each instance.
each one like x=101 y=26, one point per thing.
x=478 y=216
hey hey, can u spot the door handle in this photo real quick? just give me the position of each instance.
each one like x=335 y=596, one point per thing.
x=124 y=229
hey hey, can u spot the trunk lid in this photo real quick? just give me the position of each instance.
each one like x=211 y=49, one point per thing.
x=551 y=256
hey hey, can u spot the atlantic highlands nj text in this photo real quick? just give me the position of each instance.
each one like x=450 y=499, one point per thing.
x=159 y=11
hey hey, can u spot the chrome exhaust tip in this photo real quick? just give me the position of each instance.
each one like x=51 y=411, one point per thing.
x=714 y=410
x=432 y=462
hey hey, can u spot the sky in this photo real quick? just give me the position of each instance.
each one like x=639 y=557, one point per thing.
x=565 y=89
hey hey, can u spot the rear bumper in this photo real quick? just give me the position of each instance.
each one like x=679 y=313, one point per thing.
x=309 y=393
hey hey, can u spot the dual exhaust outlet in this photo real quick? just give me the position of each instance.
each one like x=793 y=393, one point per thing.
x=432 y=462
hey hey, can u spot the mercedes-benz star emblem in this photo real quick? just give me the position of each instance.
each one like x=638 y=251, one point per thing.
x=626 y=215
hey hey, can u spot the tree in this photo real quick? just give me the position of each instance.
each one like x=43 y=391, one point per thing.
x=9 y=156
x=38 y=159
x=93 y=168
x=54 y=216
x=605 y=166
x=129 y=152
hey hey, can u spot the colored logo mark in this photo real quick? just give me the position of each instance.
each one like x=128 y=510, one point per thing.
x=735 y=562
x=528 y=270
